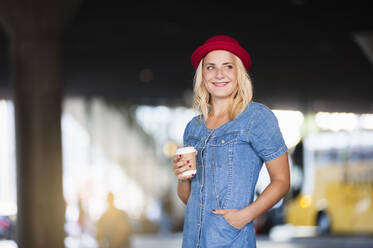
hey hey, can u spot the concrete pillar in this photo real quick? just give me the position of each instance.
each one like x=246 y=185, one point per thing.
x=34 y=28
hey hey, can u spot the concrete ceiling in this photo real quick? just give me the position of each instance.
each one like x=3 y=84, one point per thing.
x=305 y=54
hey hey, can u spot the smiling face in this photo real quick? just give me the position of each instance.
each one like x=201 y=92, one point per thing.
x=219 y=74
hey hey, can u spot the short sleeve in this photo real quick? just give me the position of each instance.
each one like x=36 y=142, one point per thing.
x=265 y=135
x=186 y=133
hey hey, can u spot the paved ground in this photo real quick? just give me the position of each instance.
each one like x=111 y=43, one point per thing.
x=174 y=241
x=319 y=242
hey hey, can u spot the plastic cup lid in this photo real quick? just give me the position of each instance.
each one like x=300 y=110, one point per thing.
x=185 y=150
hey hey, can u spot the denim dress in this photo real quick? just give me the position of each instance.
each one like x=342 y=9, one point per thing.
x=228 y=164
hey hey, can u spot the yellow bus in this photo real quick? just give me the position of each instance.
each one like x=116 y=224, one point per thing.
x=337 y=187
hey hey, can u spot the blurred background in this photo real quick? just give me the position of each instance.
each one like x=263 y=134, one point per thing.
x=95 y=96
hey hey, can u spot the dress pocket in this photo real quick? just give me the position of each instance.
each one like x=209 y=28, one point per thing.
x=223 y=149
x=219 y=233
x=228 y=225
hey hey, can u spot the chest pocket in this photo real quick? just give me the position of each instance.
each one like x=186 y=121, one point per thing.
x=222 y=149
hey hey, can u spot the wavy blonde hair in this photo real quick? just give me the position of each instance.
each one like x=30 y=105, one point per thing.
x=242 y=95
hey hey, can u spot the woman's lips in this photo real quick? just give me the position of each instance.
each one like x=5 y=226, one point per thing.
x=220 y=84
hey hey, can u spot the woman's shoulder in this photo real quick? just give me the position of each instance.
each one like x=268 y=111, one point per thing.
x=254 y=110
x=255 y=114
x=261 y=114
x=257 y=107
x=193 y=128
x=194 y=122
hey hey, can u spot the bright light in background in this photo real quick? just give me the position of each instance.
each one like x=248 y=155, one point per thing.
x=337 y=121
x=169 y=148
x=86 y=174
x=305 y=201
x=4 y=149
x=165 y=124
x=290 y=123
x=366 y=121
x=8 y=204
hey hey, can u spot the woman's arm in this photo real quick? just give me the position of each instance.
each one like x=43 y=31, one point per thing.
x=279 y=173
x=183 y=183
x=183 y=190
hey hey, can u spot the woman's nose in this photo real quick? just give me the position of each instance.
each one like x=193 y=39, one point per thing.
x=219 y=73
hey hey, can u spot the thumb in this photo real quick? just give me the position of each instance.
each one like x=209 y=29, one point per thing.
x=219 y=211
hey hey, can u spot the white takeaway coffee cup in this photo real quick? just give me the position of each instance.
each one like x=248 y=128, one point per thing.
x=188 y=153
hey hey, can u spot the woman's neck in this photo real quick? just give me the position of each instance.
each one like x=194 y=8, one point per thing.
x=220 y=107
x=218 y=116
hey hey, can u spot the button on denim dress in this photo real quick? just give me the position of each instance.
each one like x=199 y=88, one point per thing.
x=228 y=164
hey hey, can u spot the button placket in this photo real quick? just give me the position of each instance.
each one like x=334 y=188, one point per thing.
x=202 y=187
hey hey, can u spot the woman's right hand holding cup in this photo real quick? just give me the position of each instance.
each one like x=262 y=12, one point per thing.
x=184 y=163
x=179 y=166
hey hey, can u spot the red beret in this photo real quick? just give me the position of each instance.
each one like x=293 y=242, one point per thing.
x=221 y=42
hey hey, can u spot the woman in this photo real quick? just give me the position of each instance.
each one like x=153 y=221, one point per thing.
x=233 y=136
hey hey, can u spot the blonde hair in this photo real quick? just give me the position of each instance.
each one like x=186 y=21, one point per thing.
x=241 y=97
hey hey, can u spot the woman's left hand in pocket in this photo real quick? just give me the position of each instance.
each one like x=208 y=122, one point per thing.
x=234 y=217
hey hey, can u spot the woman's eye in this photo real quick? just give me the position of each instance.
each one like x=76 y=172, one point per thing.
x=229 y=66
x=210 y=67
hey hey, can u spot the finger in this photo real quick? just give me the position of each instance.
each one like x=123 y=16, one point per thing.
x=182 y=169
x=180 y=164
x=178 y=171
x=219 y=211
x=177 y=165
x=176 y=158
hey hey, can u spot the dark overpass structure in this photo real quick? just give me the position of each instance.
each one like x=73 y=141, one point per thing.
x=306 y=53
